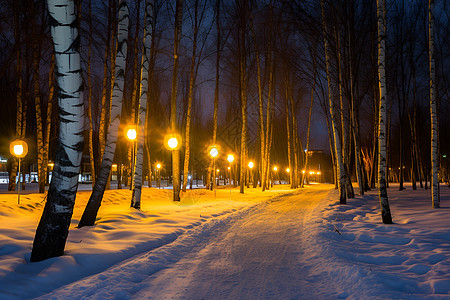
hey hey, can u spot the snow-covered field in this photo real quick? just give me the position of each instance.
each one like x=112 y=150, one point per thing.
x=276 y=244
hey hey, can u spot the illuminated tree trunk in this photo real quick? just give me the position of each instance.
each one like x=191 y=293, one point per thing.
x=173 y=99
x=91 y=125
x=296 y=144
x=93 y=205
x=337 y=140
x=309 y=118
x=104 y=110
x=288 y=131
x=262 y=135
x=384 y=202
x=137 y=185
x=53 y=228
x=189 y=108
x=433 y=112
x=134 y=102
x=269 y=109
x=243 y=87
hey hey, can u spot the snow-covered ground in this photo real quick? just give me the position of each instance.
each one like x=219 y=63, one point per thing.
x=277 y=244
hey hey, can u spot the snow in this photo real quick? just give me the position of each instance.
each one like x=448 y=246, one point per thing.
x=274 y=244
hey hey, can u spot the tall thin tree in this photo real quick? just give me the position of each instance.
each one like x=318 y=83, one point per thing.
x=137 y=185
x=382 y=190
x=333 y=114
x=433 y=111
x=53 y=228
x=95 y=200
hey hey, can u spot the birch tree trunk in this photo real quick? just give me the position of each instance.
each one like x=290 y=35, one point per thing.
x=93 y=205
x=382 y=190
x=134 y=103
x=173 y=100
x=433 y=111
x=190 y=92
x=91 y=124
x=53 y=228
x=137 y=185
x=337 y=140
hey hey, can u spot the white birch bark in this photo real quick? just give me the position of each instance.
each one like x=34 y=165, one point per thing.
x=384 y=202
x=433 y=111
x=53 y=228
x=337 y=140
x=137 y=179
x=90 y=212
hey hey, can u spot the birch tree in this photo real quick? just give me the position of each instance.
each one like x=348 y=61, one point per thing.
x=53 y=228
x=337 y=140
x=382 y=190
x=137 y=179
x=93 y=205
x=433 y=111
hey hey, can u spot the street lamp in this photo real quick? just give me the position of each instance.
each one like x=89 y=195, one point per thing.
x=19 y=149
x=131 y=134
x=230 y=159
x=172 y=142
x=214 y=152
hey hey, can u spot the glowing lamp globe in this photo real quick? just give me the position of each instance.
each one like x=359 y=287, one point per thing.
x=288 y=170
x=275 y=168
x=131 y=134
x=230 y=158
x=214 y=152
x=158 y=166
x=172 y=143
x=250 y=165
x=18 y=148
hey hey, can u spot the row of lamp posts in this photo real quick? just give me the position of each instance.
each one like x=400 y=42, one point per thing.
x=19 y=149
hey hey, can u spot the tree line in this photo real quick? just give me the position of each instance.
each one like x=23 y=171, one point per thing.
x=251 y=76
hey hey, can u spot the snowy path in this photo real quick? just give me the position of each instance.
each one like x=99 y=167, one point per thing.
x=260 y=252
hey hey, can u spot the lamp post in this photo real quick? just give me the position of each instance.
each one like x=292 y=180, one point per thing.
x=214 y=152
x=230 y=159
x=131 y=134
x=172 y=141
x=19 y=149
